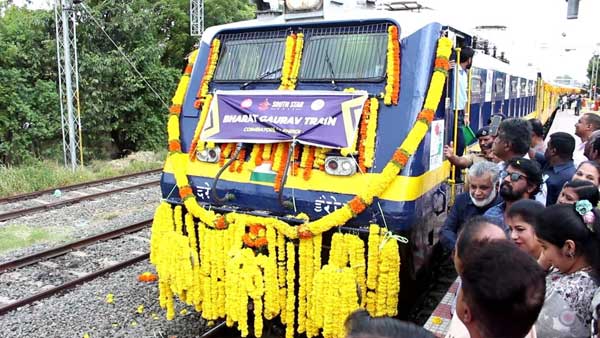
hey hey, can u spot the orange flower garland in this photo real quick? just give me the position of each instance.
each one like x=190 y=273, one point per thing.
x=174 y=146
x=259 y=156
x=209 y=71
x=296 y=164
x=392 y=88
x=281 y=167
x=357 y=205
x=185 y=192
x=256 y=236
x=309 y=162
x=241 y=160
x=363 y=135
x=221 y=223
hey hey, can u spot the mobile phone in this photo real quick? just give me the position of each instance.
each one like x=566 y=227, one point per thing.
x=495 y=123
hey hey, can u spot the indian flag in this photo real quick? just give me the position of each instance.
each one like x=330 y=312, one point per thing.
x=263 y=173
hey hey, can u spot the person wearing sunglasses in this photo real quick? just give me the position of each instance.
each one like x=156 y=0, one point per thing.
x=521 y=179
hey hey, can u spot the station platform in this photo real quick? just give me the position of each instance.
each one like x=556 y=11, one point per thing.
x=439 y=321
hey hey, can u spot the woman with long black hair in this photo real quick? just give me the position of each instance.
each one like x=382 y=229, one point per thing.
x=570 y=240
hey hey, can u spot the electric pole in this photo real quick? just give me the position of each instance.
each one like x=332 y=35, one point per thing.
x=68 y=81
x=196 y=17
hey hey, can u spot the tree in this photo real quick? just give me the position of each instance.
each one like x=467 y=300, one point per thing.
x=29 y=110
x=119 y=110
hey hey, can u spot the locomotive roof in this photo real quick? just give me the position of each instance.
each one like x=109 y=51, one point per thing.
x=409 y=22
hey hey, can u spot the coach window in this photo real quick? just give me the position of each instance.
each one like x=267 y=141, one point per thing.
x=476 y=85
x=513 y=87
x=499 y=86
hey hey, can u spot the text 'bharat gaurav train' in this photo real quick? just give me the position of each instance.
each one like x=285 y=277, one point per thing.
x=305 y=175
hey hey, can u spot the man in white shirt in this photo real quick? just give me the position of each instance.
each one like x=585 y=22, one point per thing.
x=585 y=126
x=460 y=97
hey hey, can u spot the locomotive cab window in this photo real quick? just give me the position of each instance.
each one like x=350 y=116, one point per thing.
x=354 y=53
x=251 y=57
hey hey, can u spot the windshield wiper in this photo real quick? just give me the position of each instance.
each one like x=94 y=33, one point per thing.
x=330 y=66
x=262 y=76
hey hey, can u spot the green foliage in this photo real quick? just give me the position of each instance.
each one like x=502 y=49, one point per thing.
x=119 y=111
x=40 y=175
x=218 y=12
x=29 y=123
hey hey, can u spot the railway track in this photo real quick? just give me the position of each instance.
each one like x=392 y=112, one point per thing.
x=20 y=205
x=57 y=273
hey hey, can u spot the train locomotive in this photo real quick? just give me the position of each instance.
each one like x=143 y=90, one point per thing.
x=305 y=176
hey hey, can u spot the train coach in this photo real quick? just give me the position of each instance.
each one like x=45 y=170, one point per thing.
x=305 y=175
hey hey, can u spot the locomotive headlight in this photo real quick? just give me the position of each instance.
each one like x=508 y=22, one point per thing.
x=340 y=166
x=210 y=155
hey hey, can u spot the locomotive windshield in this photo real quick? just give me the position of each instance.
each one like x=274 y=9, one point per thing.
x=349 y=53
x=254 y=56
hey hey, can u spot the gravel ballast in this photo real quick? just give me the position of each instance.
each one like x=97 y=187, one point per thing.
x=85 y=310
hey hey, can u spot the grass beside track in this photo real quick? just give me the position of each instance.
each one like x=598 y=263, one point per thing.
x=17 y=236
x=47 y=174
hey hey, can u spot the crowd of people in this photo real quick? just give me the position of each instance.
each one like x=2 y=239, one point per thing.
x=542 y=197
x=524 y=239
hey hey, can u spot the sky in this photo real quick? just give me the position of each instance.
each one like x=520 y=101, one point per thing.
x=537 y=33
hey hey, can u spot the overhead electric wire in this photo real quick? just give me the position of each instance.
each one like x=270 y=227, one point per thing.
x=89 y=13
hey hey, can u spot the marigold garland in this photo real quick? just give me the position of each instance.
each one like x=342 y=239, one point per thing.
x=203 y=115
x=290 y=305
x=281 y=159
x=371 y=132
x=372 y=269
x=171 y=249
x=296 y=164
x=288 y=60
x=320 y=155
x=209 y=71
x=392 y=87
x=308 y=162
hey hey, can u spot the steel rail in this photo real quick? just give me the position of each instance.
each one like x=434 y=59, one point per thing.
x=47 y=293
x=75 y=186
x=20 y=212
x=64 y=249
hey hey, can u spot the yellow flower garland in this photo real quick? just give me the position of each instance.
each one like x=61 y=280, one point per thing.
x=393 y=67
x=209 y=290
x=371 y=133
x=288 y=61
x=335 y=290
x=372 y=269
x=290 y=306
x=356 y=253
